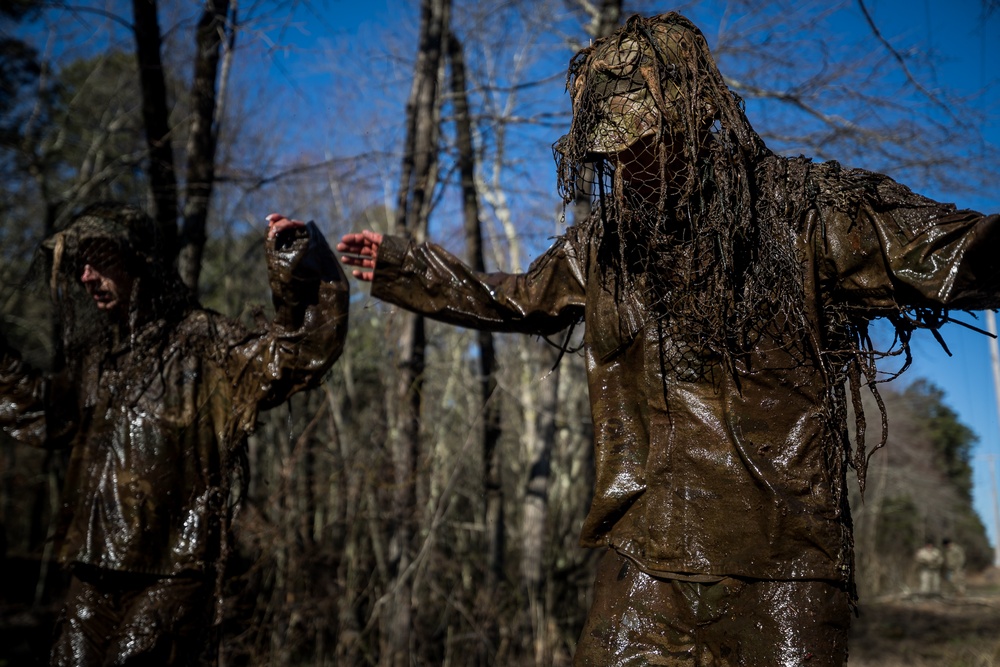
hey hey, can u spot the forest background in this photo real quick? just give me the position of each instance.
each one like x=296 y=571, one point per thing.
x=423 y=506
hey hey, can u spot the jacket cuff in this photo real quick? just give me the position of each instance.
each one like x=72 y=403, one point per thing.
x=392 y=254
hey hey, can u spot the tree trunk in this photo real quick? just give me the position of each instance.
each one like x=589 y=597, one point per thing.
x=418 y=179
x=202 y=139
x=493 y=518
x=540 y=438
x=155 y=115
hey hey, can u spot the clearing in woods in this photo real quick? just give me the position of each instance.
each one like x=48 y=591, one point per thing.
x=911 y=631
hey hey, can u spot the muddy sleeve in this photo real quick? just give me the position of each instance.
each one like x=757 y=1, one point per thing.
x=310 y=295
x=426 y=279
x=896 y=249
x=34 y=408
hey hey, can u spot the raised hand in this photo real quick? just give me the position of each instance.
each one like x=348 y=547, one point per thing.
x=360 y=250
x=277 y=223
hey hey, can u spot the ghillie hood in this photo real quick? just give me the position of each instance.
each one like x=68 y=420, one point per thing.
x=129 y=238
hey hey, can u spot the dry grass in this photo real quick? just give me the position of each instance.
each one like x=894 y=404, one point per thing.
x=941 y=632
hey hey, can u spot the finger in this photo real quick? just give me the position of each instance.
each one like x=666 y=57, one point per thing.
x=358 y=261
x=285 y=223
x=354 y=240
x=367 y=276
x=356 y=254
x=272 y=220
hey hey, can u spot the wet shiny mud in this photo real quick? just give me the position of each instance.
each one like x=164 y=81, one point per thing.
x=126 y=619
x=639 y=620
x=155 y=404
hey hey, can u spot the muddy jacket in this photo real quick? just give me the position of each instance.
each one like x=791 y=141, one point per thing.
x=156 y=425
x=737 y=474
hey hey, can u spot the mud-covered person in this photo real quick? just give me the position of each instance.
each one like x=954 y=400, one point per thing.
x=157 y=399
x=726 y=293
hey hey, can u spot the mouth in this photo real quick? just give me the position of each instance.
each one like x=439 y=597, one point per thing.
x=103 y=298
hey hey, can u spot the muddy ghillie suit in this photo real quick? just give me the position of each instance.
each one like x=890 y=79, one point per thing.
x=157 y=412
x=725 y=307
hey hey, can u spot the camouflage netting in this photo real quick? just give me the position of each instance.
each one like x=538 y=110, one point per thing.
x=676 y=173
x=667 y=149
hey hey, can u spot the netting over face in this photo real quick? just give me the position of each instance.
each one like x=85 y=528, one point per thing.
x=665 y=150
x=676 y=176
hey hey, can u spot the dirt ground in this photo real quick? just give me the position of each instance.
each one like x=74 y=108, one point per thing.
x=909 y=631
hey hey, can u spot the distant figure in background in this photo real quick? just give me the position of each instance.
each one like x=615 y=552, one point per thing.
x=954 y=567
x=156 y=401
x=929 y=560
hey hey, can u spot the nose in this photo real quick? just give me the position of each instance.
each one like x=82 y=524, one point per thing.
x=89 y=274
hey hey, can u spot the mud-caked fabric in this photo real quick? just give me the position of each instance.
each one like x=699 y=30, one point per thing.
x=158 y=423
x=638 y=620
x=726 y=295
x=703 y=469
x=120 y=619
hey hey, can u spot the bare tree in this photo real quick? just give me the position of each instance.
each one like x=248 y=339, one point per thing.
x=215 y=28
x=417 y=182
x=156 y=120
x=604 y=18
x=490 y=429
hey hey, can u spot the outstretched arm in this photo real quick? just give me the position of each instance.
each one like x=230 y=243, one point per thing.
x=427 y=279
x=21 y=393
x=896 y=249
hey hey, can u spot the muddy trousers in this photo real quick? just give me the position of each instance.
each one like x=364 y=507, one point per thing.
x=121 y=618
x=638 y=620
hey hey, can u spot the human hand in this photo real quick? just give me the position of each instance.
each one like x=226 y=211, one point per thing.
x=362 y=251
x=277 y=223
